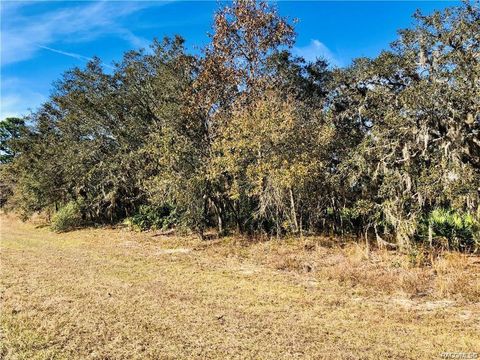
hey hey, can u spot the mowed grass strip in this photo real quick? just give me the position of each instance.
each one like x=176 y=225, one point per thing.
x=114 y=294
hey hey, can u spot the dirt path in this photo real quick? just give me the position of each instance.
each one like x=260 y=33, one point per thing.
x=111 y=294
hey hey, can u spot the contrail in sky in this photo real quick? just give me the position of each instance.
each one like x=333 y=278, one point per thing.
x=73 y=55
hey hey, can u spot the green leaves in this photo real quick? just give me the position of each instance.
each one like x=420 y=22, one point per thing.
x=11 y=130
x=68 y=217
x=153 y=217
x=452 y=229
x=251 y=138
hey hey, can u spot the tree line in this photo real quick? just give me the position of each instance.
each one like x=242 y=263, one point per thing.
x=247 y=137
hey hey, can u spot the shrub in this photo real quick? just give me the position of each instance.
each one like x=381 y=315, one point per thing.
x=68 y=217
x=153 y=217
x=451 y=229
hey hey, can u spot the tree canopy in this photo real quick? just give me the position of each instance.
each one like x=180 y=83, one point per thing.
x=248 y=137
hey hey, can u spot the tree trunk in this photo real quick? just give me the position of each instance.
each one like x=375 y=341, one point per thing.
x=220 y=223
x=367 y=244
x=294 y=212
x=219 y=213
x=430 y=235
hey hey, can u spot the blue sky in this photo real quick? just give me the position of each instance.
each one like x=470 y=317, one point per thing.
x=40 y=40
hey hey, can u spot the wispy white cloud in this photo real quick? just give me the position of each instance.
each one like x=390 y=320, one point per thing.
x=16 y=93
x=13 y=104
x=21 y=34
x=317 y=50
x=30 y=27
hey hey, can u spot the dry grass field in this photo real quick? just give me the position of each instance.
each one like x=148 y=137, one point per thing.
x=115 y=294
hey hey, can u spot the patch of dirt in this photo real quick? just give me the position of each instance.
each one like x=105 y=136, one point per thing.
x=130 y=244
x=424 y=305
x=173 y=251
x=248 y=269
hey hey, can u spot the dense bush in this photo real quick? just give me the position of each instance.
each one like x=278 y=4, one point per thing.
x=153 y=217
x=68 y=217
x=451 y=229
